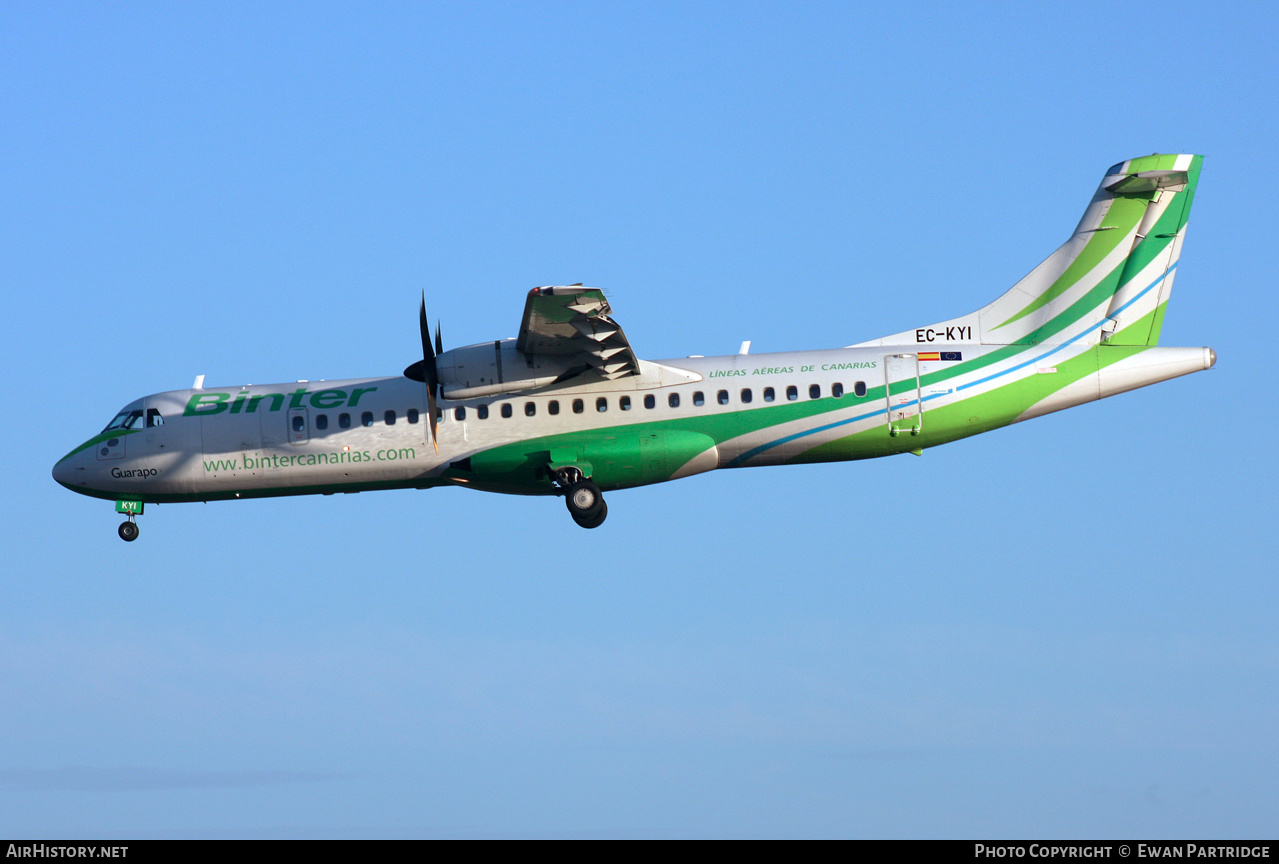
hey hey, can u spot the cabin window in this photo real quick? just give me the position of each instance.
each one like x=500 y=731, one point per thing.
x=154 y=418
x=673 y=400
x=506 y=409
x=769 y=394
x=299 y=422
x=814 y=391
x=321 y=421
x=459 y=413
x=482 y=412
x=722 y=397
x=837 y=389
x=367 y=418
x=530 y=408
x=792 y=392
x=578 y=406
x=344 y=421
x=699 y=399
x=553 y=407
x=389 y=418
x=747 y=395
x=411 y=415
x=624 y=403
x=601 y=404
x=650 y=401
x=860 y=388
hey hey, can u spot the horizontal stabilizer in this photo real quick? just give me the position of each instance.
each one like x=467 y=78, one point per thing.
x=1145 y=182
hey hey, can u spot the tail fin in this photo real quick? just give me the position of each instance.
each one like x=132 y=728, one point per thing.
x=1109 y=282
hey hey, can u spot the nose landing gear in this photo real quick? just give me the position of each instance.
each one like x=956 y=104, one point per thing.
x=128 y=530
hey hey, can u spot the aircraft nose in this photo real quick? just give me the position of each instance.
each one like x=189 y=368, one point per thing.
x=64 y=472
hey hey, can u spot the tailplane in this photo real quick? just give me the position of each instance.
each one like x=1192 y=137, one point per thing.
x=1109 y=282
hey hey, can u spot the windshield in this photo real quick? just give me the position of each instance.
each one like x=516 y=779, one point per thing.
x=125 y=420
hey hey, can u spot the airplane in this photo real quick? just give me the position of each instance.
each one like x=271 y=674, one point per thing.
x=567 y=408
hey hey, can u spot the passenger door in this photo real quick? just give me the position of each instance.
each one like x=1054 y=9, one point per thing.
x=902 y=393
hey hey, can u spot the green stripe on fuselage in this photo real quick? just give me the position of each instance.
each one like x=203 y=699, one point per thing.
x=979 y=413
x=98 y=439
x=520 y=465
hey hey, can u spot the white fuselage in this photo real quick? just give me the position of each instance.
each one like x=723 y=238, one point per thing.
x=355 y=434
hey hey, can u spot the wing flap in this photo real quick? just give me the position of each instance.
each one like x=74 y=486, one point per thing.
x=571 y=320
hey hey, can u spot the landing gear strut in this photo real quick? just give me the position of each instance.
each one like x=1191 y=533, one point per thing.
x=583 y=498
x=128 y=530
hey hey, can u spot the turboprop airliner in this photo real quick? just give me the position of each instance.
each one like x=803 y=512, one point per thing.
x=567 y=408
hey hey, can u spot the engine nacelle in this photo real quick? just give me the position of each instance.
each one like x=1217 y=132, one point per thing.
x=493 y=368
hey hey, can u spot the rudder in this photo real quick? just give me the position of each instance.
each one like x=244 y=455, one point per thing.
x=1136 y=312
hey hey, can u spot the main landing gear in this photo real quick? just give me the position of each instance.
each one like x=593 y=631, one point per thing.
x=583 y=498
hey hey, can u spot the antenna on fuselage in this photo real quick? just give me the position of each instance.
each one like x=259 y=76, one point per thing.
x=199 y=383
x=746 y=347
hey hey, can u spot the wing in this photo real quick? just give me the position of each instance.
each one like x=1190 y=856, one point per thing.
x=572 y=321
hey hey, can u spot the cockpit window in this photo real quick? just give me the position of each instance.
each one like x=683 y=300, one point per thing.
x=154 y=418
x=124 y=420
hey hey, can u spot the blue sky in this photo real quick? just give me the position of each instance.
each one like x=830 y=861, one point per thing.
x=1064 y=628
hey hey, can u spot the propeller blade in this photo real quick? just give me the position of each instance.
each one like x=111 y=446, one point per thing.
x=430 y=375
x=427 y=353
x=430 y=407
x=439 y=344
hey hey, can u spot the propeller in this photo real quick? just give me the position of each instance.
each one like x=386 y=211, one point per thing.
x=426 y=372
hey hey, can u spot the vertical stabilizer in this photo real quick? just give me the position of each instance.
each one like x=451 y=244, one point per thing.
x=1109 y=282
